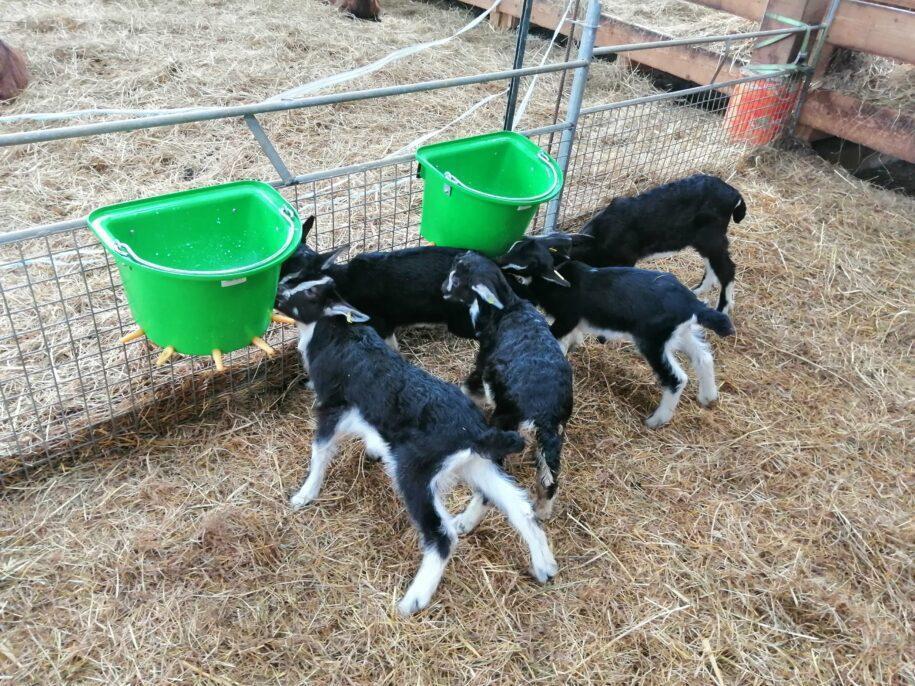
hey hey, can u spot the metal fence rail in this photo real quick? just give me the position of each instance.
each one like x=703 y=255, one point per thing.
x=68 y=386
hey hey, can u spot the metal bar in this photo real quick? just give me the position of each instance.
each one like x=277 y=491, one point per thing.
x=680 y=93
x=579 y=81
x=812 y=61
x=520 y=45
x=699 y=40
x=266 y=144
x=25 y=137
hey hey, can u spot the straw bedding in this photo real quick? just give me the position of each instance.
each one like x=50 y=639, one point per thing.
x=768 y=540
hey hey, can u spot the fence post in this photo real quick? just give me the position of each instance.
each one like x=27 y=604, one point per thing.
x=585 y=52
x=523 y=30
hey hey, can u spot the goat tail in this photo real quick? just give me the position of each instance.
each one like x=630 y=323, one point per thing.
x=717 y=321
x=496 y=443
x=740 y=209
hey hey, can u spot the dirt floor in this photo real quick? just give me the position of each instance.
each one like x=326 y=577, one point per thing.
x=768 y=540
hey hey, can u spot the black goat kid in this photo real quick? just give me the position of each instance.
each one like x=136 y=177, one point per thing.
x=692 y=212
x=426 y=432
x=651 y=309
x=398 y=288
x=519 y=365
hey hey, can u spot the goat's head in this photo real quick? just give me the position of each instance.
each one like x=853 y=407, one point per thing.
x=308 y=301
x=305 y=264
x=473 y=276
x=538 y=257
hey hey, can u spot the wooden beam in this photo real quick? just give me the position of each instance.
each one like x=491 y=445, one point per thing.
x=877 y=29
x=695 y=64
x=886 y=130
x=748 y=9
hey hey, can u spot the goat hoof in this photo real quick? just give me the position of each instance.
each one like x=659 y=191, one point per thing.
x=545 y=572
x=543 y=509
x=297 y=502
x=410 y=605
x=708 y=402
x=656 y=422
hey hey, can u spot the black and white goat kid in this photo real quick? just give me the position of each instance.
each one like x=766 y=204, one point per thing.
x=691 y=212
x=395 y=289
x=426 y=432
x=651 y=309
x=519 y=365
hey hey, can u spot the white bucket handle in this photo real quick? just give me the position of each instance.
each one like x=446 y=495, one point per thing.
x=125 y=250
x=531 y=199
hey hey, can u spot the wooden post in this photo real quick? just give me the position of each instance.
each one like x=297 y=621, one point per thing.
x=786 y=50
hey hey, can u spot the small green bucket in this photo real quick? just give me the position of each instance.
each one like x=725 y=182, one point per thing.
x=481 y=192
x=200 y=268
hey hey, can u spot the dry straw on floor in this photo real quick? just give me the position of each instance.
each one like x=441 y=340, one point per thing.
x=769 y=540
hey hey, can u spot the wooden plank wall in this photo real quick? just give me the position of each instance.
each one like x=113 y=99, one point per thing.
x=886 y=130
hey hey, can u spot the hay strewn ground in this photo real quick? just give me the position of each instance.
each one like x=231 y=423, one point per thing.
x=769 y=540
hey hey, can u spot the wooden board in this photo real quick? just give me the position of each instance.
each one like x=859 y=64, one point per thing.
x=876 y=28
x=882 y=129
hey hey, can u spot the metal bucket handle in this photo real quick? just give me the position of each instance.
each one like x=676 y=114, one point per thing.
x=125 y=250
x=542 y=156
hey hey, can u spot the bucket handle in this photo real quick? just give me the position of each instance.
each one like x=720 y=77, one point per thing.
x=542 y=156
x=125 y=250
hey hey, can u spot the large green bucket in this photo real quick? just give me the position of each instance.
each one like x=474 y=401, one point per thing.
x=200 y=267
x=481 y=193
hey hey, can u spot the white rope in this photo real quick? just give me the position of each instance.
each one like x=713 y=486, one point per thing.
x=333 y=80
x=426 y=136
x=530 y=88
x=291 y=94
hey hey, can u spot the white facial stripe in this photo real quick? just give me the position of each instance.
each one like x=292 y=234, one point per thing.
x=474 y=312
x=514 y=267
x=293 y=275
x=305 y=285
x=450 y=285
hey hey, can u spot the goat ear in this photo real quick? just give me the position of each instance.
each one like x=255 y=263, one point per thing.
x=307 y=226
x=329 y=258
x=555 y=277
x=346 y=310
x=487 y=295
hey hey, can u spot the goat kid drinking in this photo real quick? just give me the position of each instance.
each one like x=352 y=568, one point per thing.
x=426 y=432
x=691 y=212
x=395 y=289
x=651 y=309
x=519 y=365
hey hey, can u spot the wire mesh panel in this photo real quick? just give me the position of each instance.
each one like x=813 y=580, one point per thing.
x=624 y=148
x=68 y=385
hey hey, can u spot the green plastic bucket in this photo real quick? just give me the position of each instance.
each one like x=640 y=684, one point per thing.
x=200 y=268
x=481 y=192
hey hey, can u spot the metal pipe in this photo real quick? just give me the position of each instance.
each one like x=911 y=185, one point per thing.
x=699 y=40
x=579 y=81
x=520 y=45
x=812 y=61
x=25 y=137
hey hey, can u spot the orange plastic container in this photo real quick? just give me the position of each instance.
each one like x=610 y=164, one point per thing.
x=757 y=110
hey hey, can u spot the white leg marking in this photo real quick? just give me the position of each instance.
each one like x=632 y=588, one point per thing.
x=544 y=505
x=571 y=340
x=729 y=298
x=484 y=476
x=305 y=333
x=700 y=356
x=424 y=583
x=468 y=520
x=669 y=399
x=708 y=280
x=321 y=455
x=478 y=400
x=392 y=343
